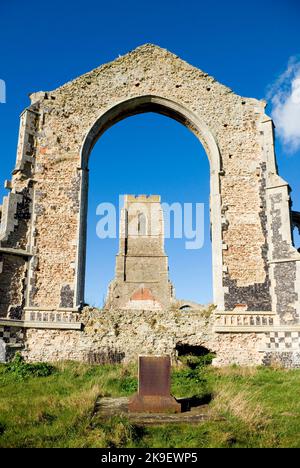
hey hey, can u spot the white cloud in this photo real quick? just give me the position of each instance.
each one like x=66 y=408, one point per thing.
x=284 y=95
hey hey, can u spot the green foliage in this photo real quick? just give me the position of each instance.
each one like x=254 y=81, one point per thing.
x=129 y=385
x=118 y=432
x=20 y=370
x=194 y=362
x=190 y=380
x=126 y=385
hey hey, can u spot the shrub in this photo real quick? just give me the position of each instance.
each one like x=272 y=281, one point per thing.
x=20 y=369
x=193 y=361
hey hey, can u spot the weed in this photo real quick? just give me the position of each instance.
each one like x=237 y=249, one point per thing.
x=21 y=370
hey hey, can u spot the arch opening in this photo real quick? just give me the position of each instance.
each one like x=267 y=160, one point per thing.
x=143 y=105
x=155 y=104
x=296 y=229
x=142 y=224
x=296 y=237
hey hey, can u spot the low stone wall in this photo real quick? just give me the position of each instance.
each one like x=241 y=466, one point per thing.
x=11 y=341
x=120 y=336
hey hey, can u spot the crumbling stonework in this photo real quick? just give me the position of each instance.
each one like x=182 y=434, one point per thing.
x=121 y=336
x=124 y=335
x=11 y=340
x=12 y=286
x=44 y=216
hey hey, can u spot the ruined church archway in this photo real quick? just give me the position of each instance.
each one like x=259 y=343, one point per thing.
x=256 y=269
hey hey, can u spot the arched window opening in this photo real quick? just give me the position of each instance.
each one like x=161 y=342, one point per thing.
x=142 y=224
x=296 y=229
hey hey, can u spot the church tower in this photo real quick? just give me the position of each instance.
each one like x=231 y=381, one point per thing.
x=141 y=276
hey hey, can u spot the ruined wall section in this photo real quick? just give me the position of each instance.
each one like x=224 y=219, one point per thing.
x=55 y=229
x=16 y=208
x=56 y=211
x=13 y=270
x=284 y=260
x=118 y=336
x=244 y=198
x=16 y=220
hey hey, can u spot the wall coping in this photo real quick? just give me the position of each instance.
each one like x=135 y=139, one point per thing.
x=42 y=325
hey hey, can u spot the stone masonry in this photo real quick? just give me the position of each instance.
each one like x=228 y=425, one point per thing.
x=121 y=336
x=142 y=273
x=256 y=268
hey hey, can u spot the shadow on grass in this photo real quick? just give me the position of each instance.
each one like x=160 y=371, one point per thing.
x=193 y=402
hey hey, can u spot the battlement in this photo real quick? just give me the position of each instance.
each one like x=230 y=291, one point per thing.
x=141 y=199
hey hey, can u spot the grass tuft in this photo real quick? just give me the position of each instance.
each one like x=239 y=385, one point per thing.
x=20 y=370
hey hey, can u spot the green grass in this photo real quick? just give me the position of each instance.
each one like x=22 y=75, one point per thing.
x=51 y=406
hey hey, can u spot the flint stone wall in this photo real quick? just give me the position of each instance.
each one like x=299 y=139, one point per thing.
x=121 y=336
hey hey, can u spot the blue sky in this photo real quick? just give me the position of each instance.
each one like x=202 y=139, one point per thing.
x=245 y=45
